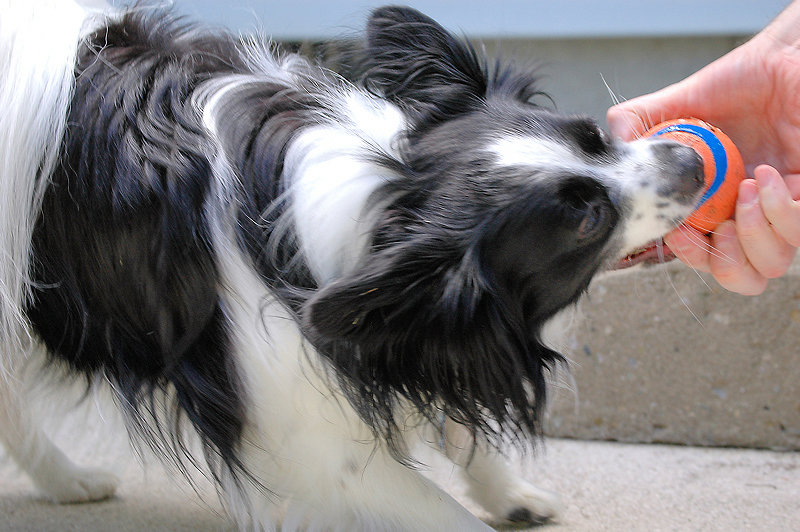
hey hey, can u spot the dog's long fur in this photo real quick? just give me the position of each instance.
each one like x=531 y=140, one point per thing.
x=300 y=268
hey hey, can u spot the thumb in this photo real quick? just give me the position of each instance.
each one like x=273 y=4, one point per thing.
x=629 y=120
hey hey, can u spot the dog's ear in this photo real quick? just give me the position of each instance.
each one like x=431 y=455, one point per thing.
x=421 y=323
x=378 y=300
x=413 y=59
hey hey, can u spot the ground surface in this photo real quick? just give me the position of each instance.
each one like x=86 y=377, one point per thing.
x=605 y=487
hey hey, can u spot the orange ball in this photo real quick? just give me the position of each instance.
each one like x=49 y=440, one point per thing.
x=723 y=167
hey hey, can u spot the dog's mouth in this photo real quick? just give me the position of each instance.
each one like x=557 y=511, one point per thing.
x=656 y=252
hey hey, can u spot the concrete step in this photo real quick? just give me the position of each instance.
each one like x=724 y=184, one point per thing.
x=666 y=355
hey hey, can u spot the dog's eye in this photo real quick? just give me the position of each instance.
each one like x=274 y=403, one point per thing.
x=589 y=209
x=595 y=218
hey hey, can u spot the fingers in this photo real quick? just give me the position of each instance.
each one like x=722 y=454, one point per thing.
x=730 y=265
x=626 y=122
x=777 y=203
x=792 y=182
x=690 y=246
x=721 y=254
x=760 y=245
x=765 y=249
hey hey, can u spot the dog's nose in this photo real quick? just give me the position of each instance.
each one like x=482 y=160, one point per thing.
x=686 y=165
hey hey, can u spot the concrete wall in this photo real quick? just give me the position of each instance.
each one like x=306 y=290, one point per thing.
x=330 y=19
x=666 y=355
x=575 y=71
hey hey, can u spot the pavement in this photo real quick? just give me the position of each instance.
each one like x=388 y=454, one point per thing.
x=604 y=487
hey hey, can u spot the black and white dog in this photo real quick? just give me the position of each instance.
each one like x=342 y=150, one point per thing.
x=308 y=272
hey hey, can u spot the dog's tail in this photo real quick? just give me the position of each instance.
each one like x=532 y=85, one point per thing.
x=38 y=45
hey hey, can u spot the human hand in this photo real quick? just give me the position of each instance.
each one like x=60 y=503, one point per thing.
x=760 y=245
x=753 y=95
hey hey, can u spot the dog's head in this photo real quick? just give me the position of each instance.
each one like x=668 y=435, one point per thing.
x=503 y=214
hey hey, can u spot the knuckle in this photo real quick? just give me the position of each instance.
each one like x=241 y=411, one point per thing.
x=773 y=271
x=742 y=283
x=750 y=230
x=792 y=236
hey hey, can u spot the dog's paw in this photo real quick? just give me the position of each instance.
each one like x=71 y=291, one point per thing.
x=527 y=504
x=80 y=484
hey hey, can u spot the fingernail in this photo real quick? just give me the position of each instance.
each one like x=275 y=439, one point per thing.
x=765 y=176
x=748 y=193
x=678 y=245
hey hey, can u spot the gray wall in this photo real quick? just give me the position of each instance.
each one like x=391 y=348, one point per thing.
x=576 y=70
x=637 y=45
x=327 y=19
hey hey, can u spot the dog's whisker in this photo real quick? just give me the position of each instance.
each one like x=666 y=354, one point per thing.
x=614 y=98
x=683 y=301
x=643 y=121
x=668 y=277
x=711 y=249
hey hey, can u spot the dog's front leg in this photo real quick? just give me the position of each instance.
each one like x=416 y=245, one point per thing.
x=53 y=473
x=492 y=484
x=326 y=479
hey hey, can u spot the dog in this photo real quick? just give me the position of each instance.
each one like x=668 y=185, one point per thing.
x=306 y=272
